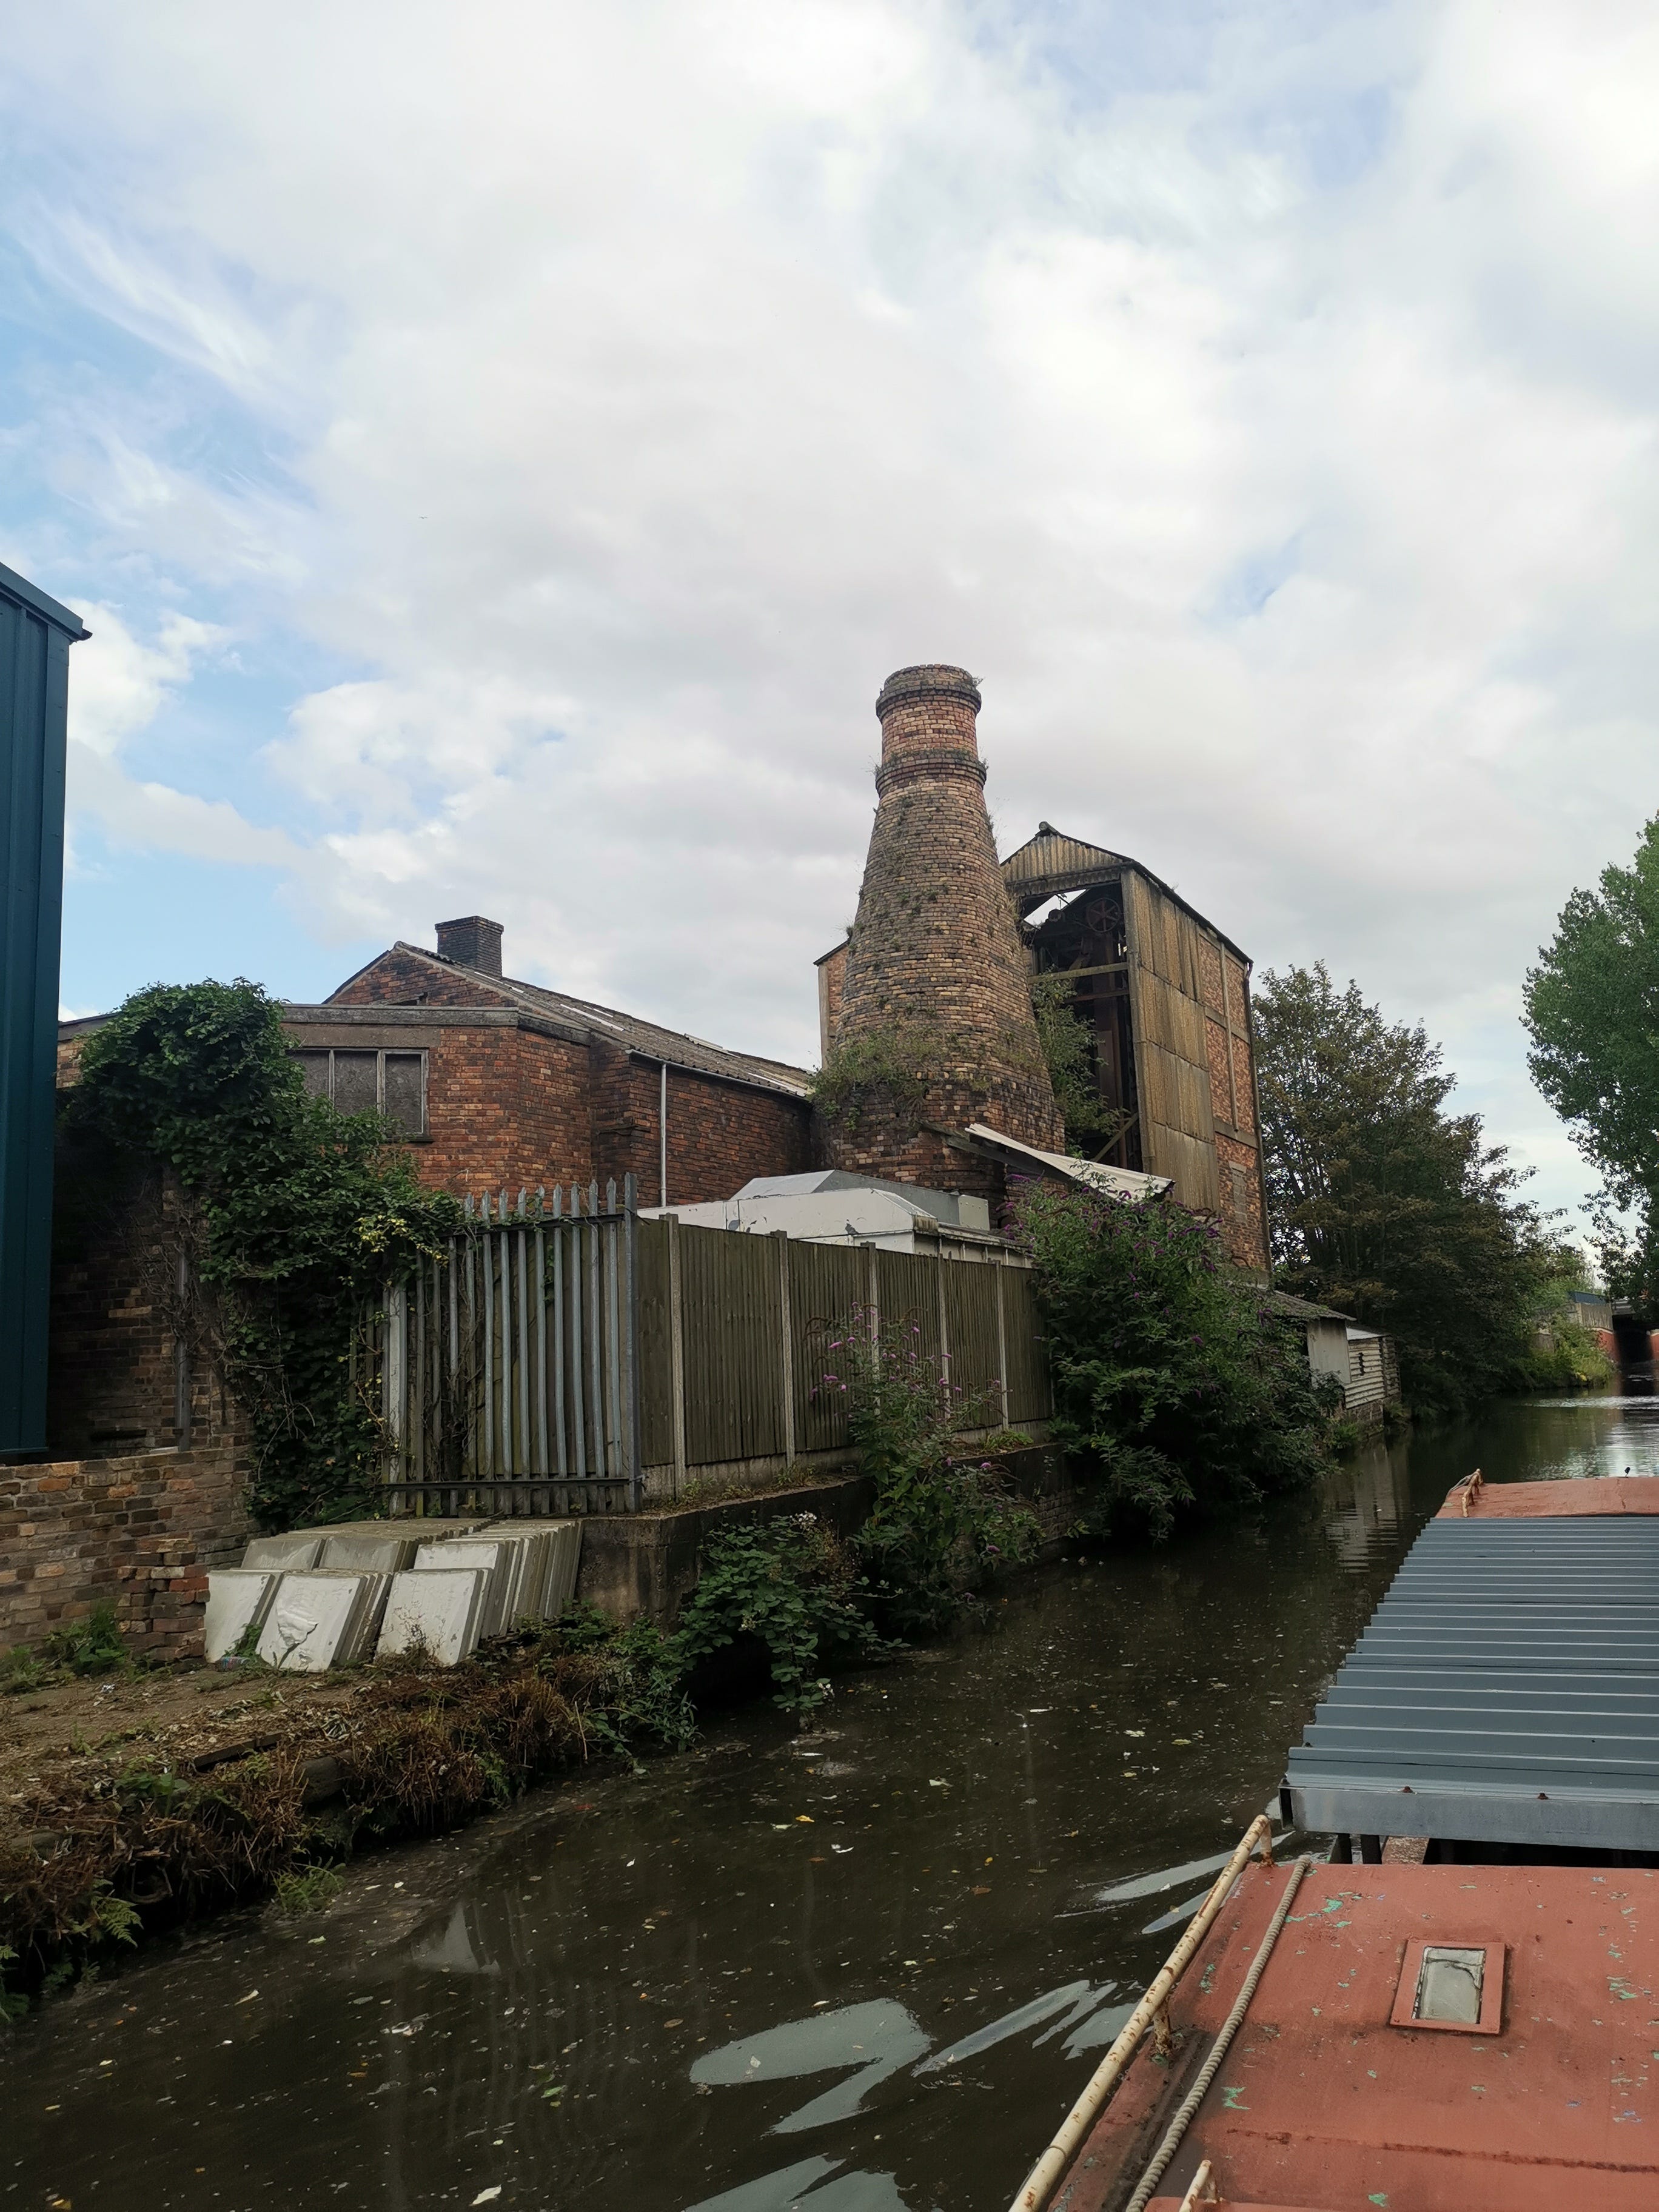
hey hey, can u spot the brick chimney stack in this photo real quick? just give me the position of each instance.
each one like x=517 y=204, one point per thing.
x=935 y=1024
x=471 y=942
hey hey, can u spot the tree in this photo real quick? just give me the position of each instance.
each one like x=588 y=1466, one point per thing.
x=1169 y=1374
x=1592 y=1009
x=1386 y=1206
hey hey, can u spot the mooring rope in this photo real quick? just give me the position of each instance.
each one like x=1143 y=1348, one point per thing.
x=1211 y=2066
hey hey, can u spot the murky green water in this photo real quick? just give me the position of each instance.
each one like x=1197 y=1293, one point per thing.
x=868 y=1969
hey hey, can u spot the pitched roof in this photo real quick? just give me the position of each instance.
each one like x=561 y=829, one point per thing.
x=1052 y=862
x=648 y=1039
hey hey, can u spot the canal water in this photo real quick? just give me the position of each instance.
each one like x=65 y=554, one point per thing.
x=867 y=1969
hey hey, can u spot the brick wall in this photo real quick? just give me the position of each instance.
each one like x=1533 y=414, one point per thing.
x=510 y=1106
x=720 y=1134
x=121 y=1226
x=139 y=1533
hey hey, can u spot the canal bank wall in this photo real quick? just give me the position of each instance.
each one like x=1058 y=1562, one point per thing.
x=645 y=1566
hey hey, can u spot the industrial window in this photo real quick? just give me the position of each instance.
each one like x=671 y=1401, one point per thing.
x=394 y=1083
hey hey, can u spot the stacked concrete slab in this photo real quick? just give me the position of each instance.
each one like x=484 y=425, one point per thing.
x=436 y=1612
x=326 y=1617
x=239 y=1598
x=439 y=1585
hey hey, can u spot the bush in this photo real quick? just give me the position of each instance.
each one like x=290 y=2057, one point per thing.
x=941 y=1525
x=1575 y=1361
x=791 y=1583
x=1168 y=1374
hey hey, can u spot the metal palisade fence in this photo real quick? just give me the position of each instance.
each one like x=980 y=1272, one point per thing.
x=563 y=1355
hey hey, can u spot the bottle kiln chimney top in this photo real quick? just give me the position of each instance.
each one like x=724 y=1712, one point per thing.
x=928 y=723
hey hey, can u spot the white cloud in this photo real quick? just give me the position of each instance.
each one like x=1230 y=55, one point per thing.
x=119 y=687
x=1269 y=427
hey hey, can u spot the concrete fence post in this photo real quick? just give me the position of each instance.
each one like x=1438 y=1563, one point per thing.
x=780 y=1241
x=1002 y=1338
x=676 y=1350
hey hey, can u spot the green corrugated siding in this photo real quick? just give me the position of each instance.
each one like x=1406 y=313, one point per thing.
x=34 y=694
x=1028 y=1396
x=971 y=1322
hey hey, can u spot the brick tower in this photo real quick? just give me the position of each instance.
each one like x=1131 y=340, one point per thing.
x=934 y=1027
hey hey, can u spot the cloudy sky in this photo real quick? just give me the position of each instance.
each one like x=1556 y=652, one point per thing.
x=499 y=450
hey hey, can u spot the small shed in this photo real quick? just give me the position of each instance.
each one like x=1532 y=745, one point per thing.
x=1361 y=1359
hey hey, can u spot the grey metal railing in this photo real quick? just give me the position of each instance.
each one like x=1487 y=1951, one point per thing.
x=509 y=1364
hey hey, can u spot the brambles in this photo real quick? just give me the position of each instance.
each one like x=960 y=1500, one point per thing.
x=940 y=1526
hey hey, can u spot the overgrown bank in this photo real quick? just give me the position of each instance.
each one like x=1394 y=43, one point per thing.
x=206 y=1787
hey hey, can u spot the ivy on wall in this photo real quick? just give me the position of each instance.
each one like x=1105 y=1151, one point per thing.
x=303 y=1216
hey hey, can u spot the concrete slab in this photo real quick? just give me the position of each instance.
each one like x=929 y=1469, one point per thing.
x=237 y=1599
x=549 y=1582
x=436 y=1610
x=492 y=1555
x=300 y=1549
x=322 y=1619
x=380 y=1554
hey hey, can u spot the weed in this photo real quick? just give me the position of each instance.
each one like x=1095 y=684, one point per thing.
x=92 y=1646
x=22 y=1669
x=306 y=1889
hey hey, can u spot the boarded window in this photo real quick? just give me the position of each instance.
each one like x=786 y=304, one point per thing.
x=356 y=1082
x=404 y=1091
x=359 y=1082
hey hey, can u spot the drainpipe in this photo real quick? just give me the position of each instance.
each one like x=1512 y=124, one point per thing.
x=662 y=1139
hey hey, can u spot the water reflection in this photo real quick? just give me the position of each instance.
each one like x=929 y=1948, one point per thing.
x=938 y=1905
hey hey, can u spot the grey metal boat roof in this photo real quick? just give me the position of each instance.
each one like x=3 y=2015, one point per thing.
x=1506 y=1691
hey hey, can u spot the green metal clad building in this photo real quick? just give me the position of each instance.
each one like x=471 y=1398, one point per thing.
x=35 y=636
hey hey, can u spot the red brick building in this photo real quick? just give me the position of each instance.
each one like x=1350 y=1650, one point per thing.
x=502 y=1084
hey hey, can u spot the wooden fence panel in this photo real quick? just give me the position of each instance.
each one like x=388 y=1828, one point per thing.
x=827 y=1284
x=656 y=1345
x=970 y=1322
x=1029 y=1396
x=907 y=1288
x=733 y=1319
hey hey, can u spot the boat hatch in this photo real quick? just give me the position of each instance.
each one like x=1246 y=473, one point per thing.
x=1454 y=1986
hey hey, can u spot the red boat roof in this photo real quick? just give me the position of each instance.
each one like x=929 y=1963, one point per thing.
x=1550 y=1501
x=1323 y=2105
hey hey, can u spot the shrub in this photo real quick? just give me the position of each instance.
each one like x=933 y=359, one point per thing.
x=791 y=1583
x=941 y=1525
x=1168 y=1375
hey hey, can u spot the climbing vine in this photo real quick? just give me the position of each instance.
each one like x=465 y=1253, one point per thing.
x=302 y=1215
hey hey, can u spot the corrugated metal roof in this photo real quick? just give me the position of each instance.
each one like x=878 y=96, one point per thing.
x=1506 y=1691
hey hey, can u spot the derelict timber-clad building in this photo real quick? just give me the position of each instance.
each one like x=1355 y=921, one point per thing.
x=1166 y=999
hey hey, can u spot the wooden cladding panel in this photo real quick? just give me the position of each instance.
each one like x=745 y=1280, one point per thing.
x=1178 y=1111
x=733 y=1356
x=909 y=1298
